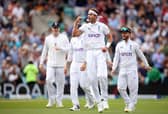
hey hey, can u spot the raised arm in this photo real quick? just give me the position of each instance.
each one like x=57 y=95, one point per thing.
x=75 y=31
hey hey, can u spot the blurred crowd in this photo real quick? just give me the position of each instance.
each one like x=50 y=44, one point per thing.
x=21 y=45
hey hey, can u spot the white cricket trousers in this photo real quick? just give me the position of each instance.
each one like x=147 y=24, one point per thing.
x=128 y=78
x=55 y=80
x=77 y=78
x=97 y=73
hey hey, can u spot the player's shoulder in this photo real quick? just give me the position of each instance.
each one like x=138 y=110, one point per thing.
x=100 y=23
x=49 y=36
x=134 y=43
x=120 y=43
x=84 y=25
x=63 y=36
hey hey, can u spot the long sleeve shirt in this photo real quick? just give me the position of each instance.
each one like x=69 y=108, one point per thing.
x=55 y=58
x=125 y=57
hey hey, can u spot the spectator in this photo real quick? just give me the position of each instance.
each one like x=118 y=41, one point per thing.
x=31 y=73
x=158 y=59
x=18 y=12
x=165 y=79
x=153 y=77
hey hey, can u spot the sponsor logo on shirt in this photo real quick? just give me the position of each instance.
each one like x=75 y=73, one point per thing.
x=126 y=54
x=78 y=49
x=93 y=35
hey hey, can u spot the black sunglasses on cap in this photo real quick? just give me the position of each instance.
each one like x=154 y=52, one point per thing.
x=125 y=29
x=55 y=25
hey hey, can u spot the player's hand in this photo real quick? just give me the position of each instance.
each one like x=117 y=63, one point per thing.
x=83 y=67
x=41 y=68
x=56 y=48
x=77 y=20
x=104 y=49
x=112 y=72
x=65 y=70
x=109 y=63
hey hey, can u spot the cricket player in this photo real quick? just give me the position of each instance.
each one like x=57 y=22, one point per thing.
x=55 y=48
x=125 y=59
x=78 y=75
x=95 y=33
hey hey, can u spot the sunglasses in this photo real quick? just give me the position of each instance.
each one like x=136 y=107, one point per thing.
x=125 y=29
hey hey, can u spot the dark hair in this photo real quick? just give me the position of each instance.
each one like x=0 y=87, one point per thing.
x=30 y=62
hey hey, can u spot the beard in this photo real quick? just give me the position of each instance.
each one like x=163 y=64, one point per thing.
x=125 y=38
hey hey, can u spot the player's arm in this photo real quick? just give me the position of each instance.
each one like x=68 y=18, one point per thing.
x=75 y=31
x=69 y=59
x=83 y=66
x=140 y=54
x=108 y=59
x=43 y=55
x=109 y=40
x=116 y=59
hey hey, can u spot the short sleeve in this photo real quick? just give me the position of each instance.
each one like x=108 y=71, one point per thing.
x=83 y=28
x=106 y=30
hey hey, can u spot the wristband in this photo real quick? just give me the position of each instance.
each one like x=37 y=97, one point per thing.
x=108 y=44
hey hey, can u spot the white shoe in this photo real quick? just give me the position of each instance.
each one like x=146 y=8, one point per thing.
x=91 y=106
x=105 y=105
x=86 y=105
x=126 y=108
x=59 y=105
x=75 y=108
x=131 y=107
x=50 y=103
x=100 y=107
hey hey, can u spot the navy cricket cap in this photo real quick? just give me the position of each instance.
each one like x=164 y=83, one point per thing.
x=55 y=25
x=125 y=29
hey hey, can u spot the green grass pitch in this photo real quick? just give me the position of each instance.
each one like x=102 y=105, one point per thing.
x=37 y=106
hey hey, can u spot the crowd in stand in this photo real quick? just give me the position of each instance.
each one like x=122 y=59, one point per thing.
x=21 y=45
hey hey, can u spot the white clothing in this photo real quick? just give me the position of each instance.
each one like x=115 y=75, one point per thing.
x=18 y=12
x=94 y=37
x=56 y=59
x=78 y=77
x=55 y=80
x=125 y=59
x=126 y=56
x=77 y=52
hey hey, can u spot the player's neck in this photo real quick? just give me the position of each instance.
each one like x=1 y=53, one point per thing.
x=55 y=34
x=126 y=40
x=92 y=22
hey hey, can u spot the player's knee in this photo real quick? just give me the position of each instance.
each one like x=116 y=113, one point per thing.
x=49 y=82
x=120 y=89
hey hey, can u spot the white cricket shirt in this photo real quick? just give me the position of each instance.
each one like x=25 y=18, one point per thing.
x=55 y=58
x=94 y=35
x=126 y=56
x=77 y=52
